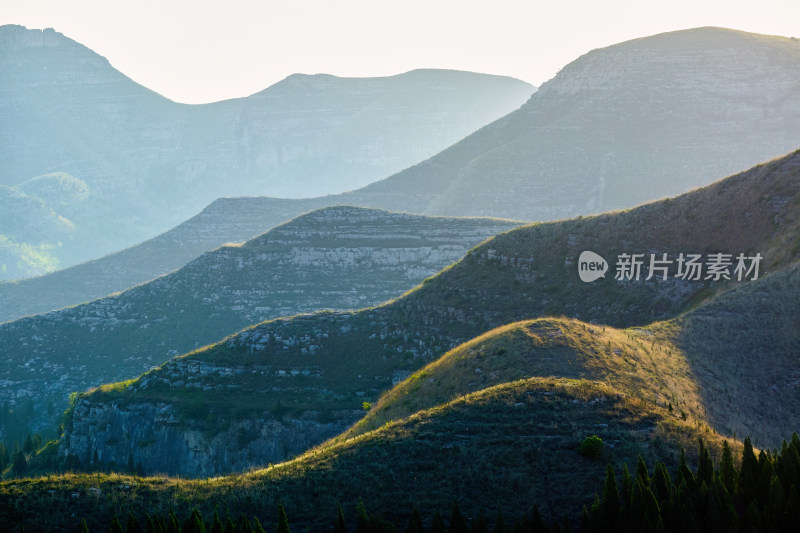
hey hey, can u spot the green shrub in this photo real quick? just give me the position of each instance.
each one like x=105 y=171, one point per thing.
x=591 y=447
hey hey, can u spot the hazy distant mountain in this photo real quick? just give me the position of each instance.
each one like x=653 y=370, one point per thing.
x=227 y=220
x=632 y=122
x=150 y=163
x=636 y=121
x=333 y=258
x=289 y=383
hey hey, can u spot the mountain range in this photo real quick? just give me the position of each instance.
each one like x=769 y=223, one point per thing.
x=629 y=123
x=275 y=389
x=546 y=359
x=332 y=258
x=498 y=422
x=131 y=164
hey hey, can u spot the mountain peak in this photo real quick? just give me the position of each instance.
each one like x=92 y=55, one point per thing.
x=14 y=36
x=683 y=56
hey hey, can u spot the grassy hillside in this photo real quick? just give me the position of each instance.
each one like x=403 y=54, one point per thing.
x=731 y=363
x=650 y=367
x=504 y=448
x=500 y=439
x=743 y=349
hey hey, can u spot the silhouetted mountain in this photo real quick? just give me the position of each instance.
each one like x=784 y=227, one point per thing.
x=150 y=163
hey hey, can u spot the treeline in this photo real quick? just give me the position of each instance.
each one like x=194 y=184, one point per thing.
x=759 y=494
x=365 y=522
x=15 y=462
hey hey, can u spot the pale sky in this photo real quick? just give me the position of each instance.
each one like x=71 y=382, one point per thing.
x=196 y=51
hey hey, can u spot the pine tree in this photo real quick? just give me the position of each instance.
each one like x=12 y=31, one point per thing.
x=173 y=525
x=116 y=527
x=133 y=525
x=84 y=527
x=216 y=524
x=3 y=456
x=705 y=467
x=152 y=525
x=610 y=504
x=727 y=471
x=661 y=483
x=625 y=493
x=415 y=523
x=438 y=523
x=748 y=474
x=244 y=525
x=363 y=522
x=195 y=523
x=28 y=446
x=641 y=471
x=258 y=528
x=283 y=520
x=457 y=522
x=20 y=465
x=685 y=473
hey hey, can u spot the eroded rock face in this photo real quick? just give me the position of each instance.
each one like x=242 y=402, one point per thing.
x=159 y=439
x=335 y=258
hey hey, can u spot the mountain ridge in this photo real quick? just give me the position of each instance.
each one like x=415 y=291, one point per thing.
x=561 y=156
x=324 y=366
x=332 y=258
x=150 y=163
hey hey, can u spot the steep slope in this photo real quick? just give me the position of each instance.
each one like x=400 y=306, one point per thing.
x=283 y=374
x=744 y=351
x=334 y=258
x=150 y=163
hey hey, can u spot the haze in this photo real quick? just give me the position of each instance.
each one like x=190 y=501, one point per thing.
x=201 y=52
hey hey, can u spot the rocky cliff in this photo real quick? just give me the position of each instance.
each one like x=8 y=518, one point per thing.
x=334 y=258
